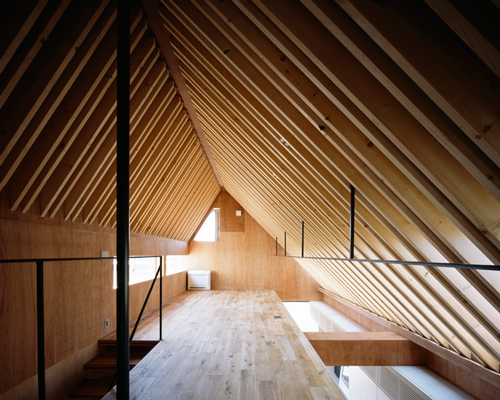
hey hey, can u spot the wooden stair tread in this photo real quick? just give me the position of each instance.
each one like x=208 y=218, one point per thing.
x=91 y=388
x=134 y=342
x=103 y=366
x=109 y=361
x=136 y=347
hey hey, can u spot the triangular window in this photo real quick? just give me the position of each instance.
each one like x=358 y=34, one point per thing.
x=210 y=231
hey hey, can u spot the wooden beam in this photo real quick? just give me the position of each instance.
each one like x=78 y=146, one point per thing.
x=365 y=348
x=25 y=53
x=33 y=113
x=444 y=75
x=362 y=317
x=69 y=117
x=166 y=49
x=95 y=131
x=405 y=90
x=466 y=20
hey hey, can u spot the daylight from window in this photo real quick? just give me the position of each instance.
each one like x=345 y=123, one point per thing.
x=140 y=270
x=301 y=314
x=174 y=264
x=209 y=232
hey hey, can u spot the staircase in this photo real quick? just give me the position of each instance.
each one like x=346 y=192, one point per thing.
x=100 y=370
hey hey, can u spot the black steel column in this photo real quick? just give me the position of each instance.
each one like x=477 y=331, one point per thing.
x=161 y=297
x=285 y=245
x=122 y=200
x=351 y=226
x=40 y=330
x=276 y=245
x=302 y=238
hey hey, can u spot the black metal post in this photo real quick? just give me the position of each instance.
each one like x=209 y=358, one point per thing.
x=351 y=226
x=285 y=244
x=161 y=296
x=40 y=330
x=145 y=304
x=302 y=238
x=122 y=200
x=276 y=245
x=158 y=272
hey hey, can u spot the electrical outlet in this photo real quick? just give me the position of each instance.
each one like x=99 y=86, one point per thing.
x=106 y=323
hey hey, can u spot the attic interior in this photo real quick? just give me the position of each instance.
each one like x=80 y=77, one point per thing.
x=275 y=108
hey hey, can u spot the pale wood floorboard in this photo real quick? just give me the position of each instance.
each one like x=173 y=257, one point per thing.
x=227 y=344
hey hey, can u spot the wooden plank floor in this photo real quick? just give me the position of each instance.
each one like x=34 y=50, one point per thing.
x=227 y=344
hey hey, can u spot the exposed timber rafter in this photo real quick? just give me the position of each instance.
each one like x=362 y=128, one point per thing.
x=152 y=14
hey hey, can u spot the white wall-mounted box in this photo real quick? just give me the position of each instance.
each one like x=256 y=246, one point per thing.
x=199 y=280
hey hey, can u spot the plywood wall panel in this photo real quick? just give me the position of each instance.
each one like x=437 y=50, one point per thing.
x=477 y=388
x=229 y=221
x=63 y=376
x=18 y=316
x=244 y=259
x=172 y=286
x=79 y=295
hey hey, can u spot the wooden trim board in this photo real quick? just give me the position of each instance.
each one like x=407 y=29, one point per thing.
x=365 y=348
x=460 y=371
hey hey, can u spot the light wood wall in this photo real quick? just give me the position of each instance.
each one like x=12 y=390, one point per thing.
x=172 y=286
x=243 y=257
x=79 y=296
x=64 y=375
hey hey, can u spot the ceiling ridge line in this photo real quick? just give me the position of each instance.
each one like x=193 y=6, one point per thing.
x=152 y=16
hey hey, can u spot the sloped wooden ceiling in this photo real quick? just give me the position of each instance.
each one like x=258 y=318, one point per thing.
x=58 y=122
x=298 y=100
x=301 y=99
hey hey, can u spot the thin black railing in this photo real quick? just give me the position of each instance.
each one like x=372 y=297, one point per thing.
x=376 y=261
x=483 y=267
x=113 y=381
x=351 y=224
x=40 y=306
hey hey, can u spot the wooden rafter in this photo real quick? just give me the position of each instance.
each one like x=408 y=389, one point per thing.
x=151 y=9
x=290 y=130
x=285 y=104
x=58 y=150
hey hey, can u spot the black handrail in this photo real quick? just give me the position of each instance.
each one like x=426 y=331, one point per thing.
x=351 y=258
x=113 y=381
x=40 y=306
x=482 y=267
x=146 y=302
x=27 y=260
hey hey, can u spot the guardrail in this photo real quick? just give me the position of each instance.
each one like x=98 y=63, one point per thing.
x=40 y=307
